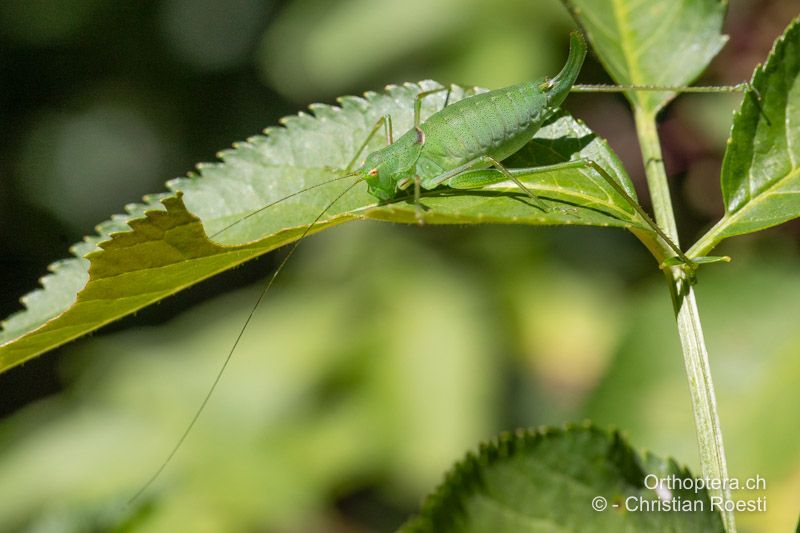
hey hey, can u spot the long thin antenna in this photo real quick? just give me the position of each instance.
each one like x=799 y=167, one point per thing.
x=235 y=344
x=260 y=209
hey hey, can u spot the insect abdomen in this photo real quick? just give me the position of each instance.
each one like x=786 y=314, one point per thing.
x=497 y=123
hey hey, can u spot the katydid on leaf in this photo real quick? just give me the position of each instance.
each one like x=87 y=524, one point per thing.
x=461 y=147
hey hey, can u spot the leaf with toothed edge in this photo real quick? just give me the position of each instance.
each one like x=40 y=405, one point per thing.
x=760 y=177
x=657 y=42
x=548 y=480
x=162 y=246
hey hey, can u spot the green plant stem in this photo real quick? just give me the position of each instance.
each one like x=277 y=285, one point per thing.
x=695 y=355
x=656 y=174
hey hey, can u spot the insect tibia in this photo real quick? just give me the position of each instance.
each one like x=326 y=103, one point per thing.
x=602 y=88
x=642 y=213
x=743 y=87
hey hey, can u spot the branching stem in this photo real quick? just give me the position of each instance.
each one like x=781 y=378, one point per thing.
x=695 y=355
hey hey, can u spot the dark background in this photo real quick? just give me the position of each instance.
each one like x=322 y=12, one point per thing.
x=102 y=101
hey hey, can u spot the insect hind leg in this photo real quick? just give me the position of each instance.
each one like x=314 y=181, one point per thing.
x=421 y=96
x=450 y=178
x=744 y=87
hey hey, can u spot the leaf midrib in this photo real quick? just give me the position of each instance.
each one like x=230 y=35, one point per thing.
x=624 y=216
x=763 y=193
x=620 y=14
x=716 y=234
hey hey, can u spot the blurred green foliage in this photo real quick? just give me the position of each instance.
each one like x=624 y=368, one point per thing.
x=384 y=352
x=343 y=46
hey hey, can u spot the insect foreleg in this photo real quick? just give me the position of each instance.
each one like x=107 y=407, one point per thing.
x=386 y=122
x=417 y=182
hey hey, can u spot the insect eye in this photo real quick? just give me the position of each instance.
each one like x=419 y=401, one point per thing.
x=373 y=172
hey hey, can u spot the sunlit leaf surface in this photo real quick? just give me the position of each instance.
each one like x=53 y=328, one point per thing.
x=652 y=42
x=761 y=171
x=162 y=246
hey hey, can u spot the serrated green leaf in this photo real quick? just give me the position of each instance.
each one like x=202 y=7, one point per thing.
x=547 y=480
x=657 y=42
x=760 y=174
x=162 y=246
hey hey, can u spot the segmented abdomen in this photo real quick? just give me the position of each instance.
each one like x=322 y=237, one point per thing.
x=497 y=123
